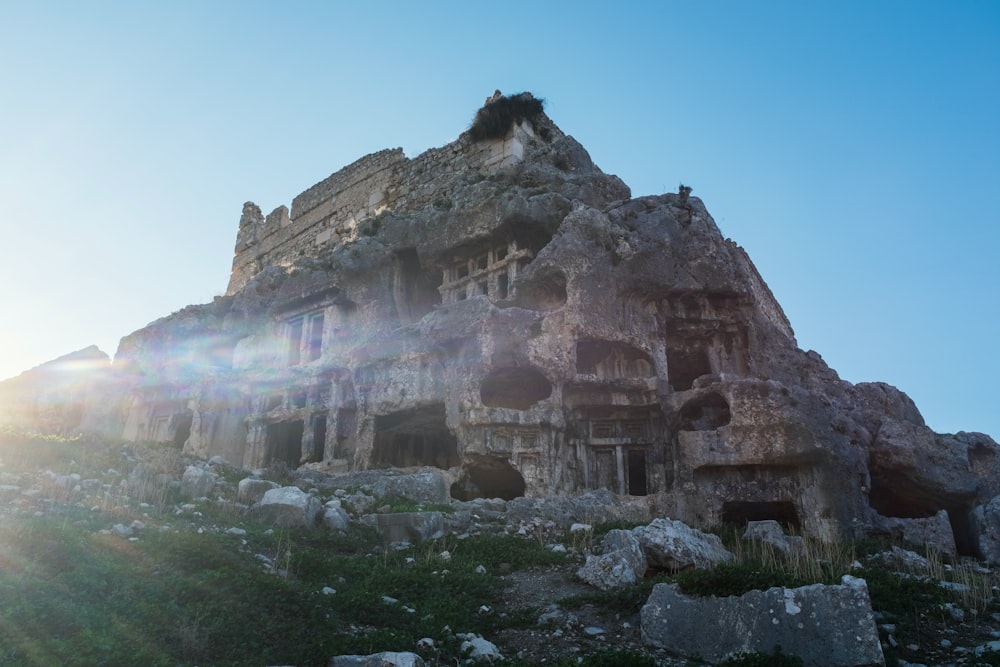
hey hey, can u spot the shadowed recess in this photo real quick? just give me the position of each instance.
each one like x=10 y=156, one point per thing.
x=515 y=388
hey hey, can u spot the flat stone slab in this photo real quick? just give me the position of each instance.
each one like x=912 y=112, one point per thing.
x=825 y=626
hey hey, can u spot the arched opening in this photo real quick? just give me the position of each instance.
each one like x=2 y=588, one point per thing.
x=514 y=388
x=489 y=477
x=705 y=413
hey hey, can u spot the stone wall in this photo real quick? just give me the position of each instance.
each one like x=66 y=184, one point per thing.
x=329 y=213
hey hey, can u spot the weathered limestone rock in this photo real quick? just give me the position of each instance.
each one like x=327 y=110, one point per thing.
x=384 y=659
x=499 y=318
x=410 y=526
x=671 y=545
x=622 y=562
x=428 y=486
x=251 y=490
x=480 y=649
x=986 y=524
x=60 y=397
x=335 y=517
x=770 y=532
x=825 y=626
x=289 y=506
x=197 y=482
x=934 y=532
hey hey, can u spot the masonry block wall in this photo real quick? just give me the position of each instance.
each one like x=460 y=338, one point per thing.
x=329 y=213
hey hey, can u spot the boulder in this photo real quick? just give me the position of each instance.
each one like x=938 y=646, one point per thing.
x=770 y=532
x=479 y=649
x=252 y=489
x=933 y=531
x=622 y=562
x=672 y=545
x=197 y=482
x=290 y=507
x=335 y=517
x=410 y=526
x=384 y=659
x=427 y=486
x=986 y=529
x=825 y=626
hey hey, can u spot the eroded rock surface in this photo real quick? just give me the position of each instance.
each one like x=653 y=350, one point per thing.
x=825 y=626
x=505 y=313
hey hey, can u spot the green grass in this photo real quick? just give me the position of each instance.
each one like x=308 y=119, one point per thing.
x=72 y=596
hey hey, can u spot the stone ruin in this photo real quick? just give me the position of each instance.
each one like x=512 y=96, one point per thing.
x=502 y=310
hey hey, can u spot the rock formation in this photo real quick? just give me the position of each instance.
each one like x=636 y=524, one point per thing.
x=501 y=309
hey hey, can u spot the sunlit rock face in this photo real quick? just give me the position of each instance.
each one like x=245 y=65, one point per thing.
x=501 y=309
x=60 y=397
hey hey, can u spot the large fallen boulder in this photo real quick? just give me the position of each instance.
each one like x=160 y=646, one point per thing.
x=251 y=490
x=197 y=482
x=622 y=562
x=289 y=507
x=825 y=626
x=426 y=486
x=673 y=545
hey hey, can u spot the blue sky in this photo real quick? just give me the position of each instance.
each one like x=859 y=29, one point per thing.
x=851 y=147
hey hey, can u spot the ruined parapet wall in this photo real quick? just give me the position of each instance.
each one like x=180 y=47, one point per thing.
x=329 y=213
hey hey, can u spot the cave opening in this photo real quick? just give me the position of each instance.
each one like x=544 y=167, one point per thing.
x=283 y=443
x=905 y=499
x=489 y=477
x=514 y=388
x=705 y=413
x=685 y=364
x=415 y=437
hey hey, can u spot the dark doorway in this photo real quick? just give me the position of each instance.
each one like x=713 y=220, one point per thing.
x=415 y=437
x=637 y=472
x=182 y=428
x=284 y=443
x=319 y=438
x=740 y=513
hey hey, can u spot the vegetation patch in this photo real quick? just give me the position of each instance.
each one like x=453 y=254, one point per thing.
x=495 y=119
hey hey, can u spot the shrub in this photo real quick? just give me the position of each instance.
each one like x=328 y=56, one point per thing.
x=494 y=119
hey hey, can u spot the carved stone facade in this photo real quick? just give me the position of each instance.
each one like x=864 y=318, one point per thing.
x=505 y=312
